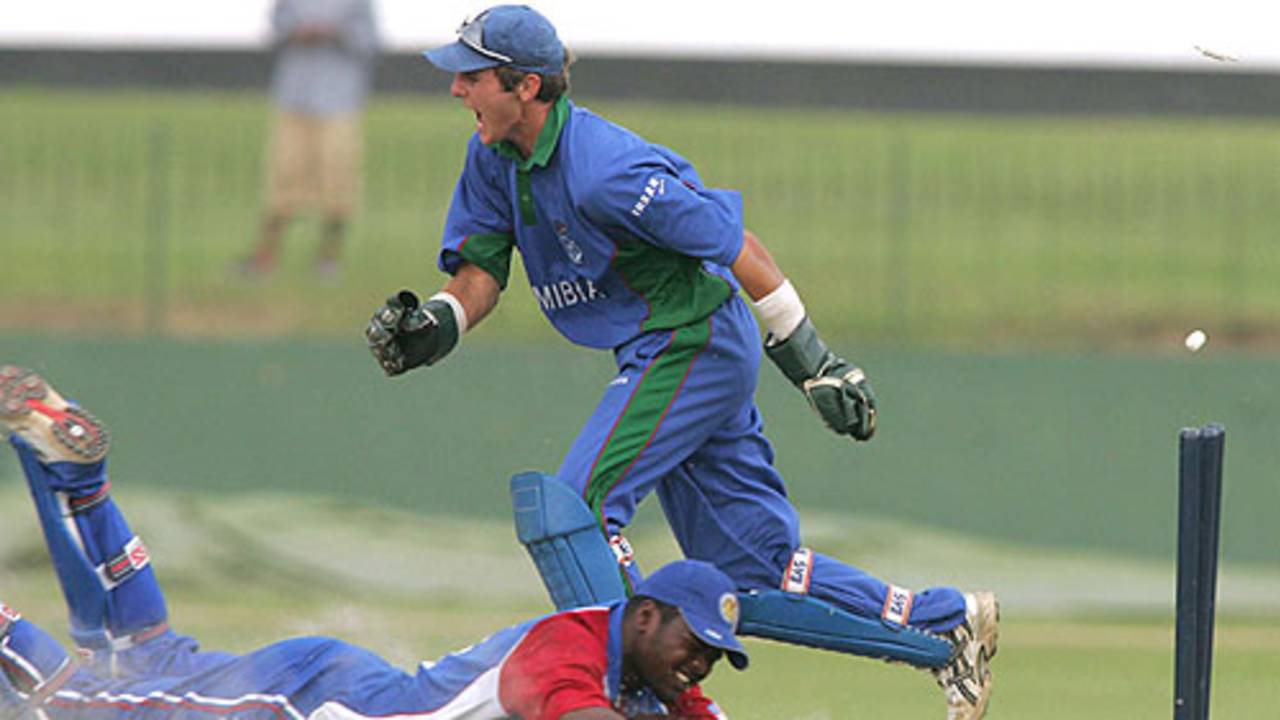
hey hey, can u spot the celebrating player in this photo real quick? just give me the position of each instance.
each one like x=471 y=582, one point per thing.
x=627 y=250
x=638 y=658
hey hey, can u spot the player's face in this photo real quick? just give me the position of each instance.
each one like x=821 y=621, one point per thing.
x=498 y=112
x=671 y=658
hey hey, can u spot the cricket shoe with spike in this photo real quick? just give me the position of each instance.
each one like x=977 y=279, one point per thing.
x=966 y=678
x=57 y=430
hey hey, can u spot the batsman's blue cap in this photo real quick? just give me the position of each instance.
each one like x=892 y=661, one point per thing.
x=707 y=599
x=513 y=35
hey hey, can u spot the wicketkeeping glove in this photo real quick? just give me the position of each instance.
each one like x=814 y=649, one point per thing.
x=406 y=333
x=837 y=389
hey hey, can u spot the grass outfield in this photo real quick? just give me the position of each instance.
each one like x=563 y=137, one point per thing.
x=1069 y=232
x=1061 y=451
x=246 y=570
x=270 y=478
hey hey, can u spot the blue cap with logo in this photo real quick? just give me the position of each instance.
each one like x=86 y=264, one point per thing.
x=707 y=599
x=512 y=35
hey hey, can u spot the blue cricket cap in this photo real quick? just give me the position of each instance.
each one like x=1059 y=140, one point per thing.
x=513 y=35
x=707 y=599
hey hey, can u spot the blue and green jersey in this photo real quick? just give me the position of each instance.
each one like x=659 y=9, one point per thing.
x=618 y=236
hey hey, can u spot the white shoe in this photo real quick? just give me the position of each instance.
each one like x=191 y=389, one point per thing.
x=57 y=430
x=966 y=678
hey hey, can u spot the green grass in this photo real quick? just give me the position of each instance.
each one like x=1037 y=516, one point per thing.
x=1060 y=451
x=287 y=488
x=938 y=229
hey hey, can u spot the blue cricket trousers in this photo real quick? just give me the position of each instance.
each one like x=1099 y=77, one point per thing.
x=680 y=418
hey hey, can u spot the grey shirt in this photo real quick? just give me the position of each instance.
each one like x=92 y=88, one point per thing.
x=329 y=76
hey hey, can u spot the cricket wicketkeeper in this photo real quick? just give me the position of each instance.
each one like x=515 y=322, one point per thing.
x=628 y=251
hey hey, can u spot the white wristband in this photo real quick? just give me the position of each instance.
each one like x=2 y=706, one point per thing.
x=781 y=310
x=459 y=315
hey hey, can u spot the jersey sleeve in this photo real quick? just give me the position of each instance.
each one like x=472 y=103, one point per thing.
x=479 y=228
x=559 y=667
x=661 y=201
x=359 y=31
x=284 y=20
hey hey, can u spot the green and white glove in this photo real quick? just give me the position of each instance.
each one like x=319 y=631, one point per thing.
x=837 y=389
x=405 y=333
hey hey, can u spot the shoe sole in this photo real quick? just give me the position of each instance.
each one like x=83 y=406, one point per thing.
x=989 y=637
x=985 y=626
x=30 y=407
x=988 y=622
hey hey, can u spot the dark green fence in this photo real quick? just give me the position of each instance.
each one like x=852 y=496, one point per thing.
x=123 y=212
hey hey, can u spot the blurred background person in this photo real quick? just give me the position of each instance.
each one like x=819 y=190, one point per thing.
x=326 y=51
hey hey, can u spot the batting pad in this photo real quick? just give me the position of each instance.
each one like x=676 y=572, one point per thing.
x=808 y=621
x=565 y=541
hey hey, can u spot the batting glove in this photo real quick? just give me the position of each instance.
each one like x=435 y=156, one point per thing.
x=405 y=333
x=837 y=389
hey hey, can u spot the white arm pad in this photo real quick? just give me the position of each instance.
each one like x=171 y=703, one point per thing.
x=459 y=315
x=781 y=310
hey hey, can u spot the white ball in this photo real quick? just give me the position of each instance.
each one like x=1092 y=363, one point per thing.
x=1195 y=340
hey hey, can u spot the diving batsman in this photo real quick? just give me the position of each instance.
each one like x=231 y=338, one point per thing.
x=639 y=658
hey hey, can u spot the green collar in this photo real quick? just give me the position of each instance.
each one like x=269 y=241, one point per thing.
x=546 y=143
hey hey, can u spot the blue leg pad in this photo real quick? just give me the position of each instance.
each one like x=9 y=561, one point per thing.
x=104 y=569
x=808 y=621
x=565 y=541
